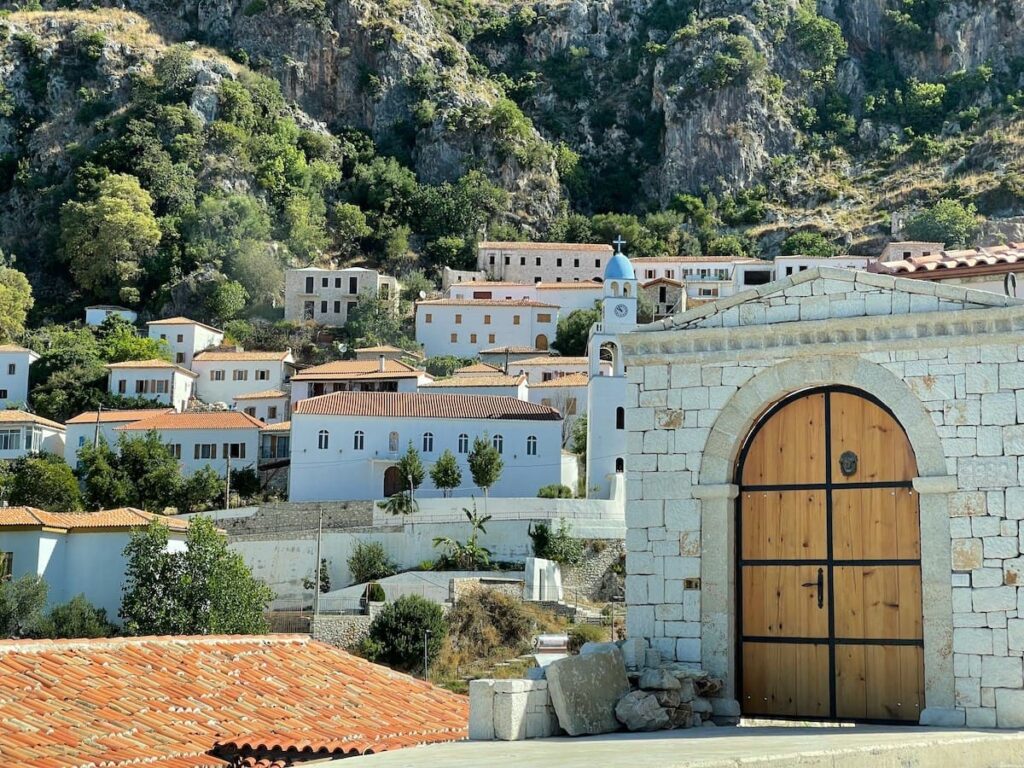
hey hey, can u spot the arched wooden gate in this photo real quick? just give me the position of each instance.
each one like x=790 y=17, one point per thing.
x=829 y=563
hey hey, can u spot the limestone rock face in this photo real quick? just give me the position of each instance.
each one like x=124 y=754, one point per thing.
x=640 y=711
x=585 y=689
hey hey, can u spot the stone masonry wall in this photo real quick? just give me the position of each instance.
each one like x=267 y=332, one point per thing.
x=341 y=631
x=966 y=372
x=594 y=578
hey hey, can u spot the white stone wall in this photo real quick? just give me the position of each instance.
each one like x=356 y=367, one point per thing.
x=954 y=379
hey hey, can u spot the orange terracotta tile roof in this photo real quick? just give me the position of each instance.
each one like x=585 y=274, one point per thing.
x=212 y=701
x=481 y=368
x=357 y=369
x=136 y=364
x=420 y=405
x=182 y=321
x=477 y=381
x=241 y=357
x=16 y=348
x=515 y=246
x=552 y=361
x=281 y=426
x=195 y=420
x=381 y=348
x=266 y=394
x=569 y=380
x=105 y=417
x=1005 y=258
x=509 y=303
x=13 y=416
x=123 y=517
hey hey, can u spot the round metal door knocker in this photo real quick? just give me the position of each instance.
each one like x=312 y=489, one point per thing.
x=848 y=463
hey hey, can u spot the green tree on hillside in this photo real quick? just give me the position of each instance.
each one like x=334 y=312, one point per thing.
x=808 y=244
x=44 y=481
x=573 y=331
x=205 y=589
x=15 y=302
x=108 y=236
x=948 y=221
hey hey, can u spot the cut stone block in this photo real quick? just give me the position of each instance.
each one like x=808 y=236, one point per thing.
x=585 y=689
x=633 y=651
x=481 y=710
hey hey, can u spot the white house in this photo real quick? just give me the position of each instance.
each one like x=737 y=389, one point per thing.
x=497 y=384
x=785 y=266
x=156 y=380
x=90 y=426
x=14 y=365
x=568 y=296
x=97 y=313
x=542 y=262
x=326 y=296
x=23 y=434
x=223 y=375
x=547 y=367
x=77 y=553
x=462 y=327
x=345 y=446
x=269 y=406
x=383 y=374
x=198 y=439
x=185 y=337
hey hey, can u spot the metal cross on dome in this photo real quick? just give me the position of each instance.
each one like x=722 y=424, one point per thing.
x=618 y=242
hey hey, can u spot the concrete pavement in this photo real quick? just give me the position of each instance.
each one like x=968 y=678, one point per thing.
x=747 y=747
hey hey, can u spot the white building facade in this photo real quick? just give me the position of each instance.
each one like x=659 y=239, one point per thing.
x=185 y=337
x=216 y=439
x=345 y=446
x=327 y=296
x=223 y=375
x=269 y=406
x=382 y=374
x=14 y=365
x=77 y=553
x=156 y=380
x=463 y=327
x=90 y=427
x=566 y=296
x=24 y=434
x=542 y=262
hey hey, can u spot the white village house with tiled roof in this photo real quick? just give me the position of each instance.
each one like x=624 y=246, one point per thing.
x=185 y=337
x=89 y=427
x=14 y=364
x=462 y=327
x=156 y=380
x=225 y=374
x=344 y=445
x=381 y=374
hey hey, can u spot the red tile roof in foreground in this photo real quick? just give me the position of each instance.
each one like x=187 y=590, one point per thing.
x=208 y=702
x=998 y=258
x=420 y=405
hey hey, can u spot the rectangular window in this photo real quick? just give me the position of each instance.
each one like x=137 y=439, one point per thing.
x=337 y=307
x=650 y=273
x=206 y=450
x=472 y=338
x=558 y=262
x=353 y=285
x=515 y=319
x=428 y=318
x=175 y=449
x=492 y=261
x=141 y=386
x=547 y=376
x=670 y=273
x=181 y=338
x=458 y=319
x=10 y=439
x=162 y=386
x=234 y=450
x=337 y=282
x=490 y=338
x=575 y=262
x=324 y=282
x=536 y=279
x=508 y=260
x=237 y=375
x=263 y=374
x=163 y=336
x=558 y=279
x=522 y=261
x=11 y=368
x=179 y=358
x=538 y=261
x=271 y=411
x=309 y=285
x=122 y=387
x=350 y=308
x=662 y=294
x=216 y=375
x=323 y=307
x=597 y=263
x=543 y=318
x=455 y=338
x=487 y=319
x=3 y=394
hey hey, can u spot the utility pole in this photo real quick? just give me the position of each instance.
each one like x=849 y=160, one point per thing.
x=316 y=566
x=227 y=477
x=96 y=431
x=426 y=640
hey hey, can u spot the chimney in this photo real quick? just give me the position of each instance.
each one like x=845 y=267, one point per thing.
x=380 y=363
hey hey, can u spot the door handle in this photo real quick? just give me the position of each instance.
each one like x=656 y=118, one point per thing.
x=820 y=584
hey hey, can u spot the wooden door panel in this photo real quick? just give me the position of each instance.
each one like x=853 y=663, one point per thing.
x=879 y=682
x=789 y=449
x=875 y=524
x=785 y=679
x=783 y=525
x=883 y=451
x=782 y=601
x=878 y=602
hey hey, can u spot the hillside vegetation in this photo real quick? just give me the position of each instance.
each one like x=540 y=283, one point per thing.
x=177 y=156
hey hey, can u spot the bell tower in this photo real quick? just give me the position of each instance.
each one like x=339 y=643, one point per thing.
x=620 y=288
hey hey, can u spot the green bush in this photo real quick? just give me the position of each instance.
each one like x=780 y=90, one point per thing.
x=375 y=593
x=369 y=561
x=397 y=634
x=485 y=619
x=579 y=634
x=76 y=618
x=808 y=244
x=555 y=491
x=559 y=546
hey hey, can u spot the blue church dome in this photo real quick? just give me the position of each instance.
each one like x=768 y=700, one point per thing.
x=619 y=268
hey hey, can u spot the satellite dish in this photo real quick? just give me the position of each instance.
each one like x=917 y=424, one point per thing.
x=342 y=347
x=423 y=294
